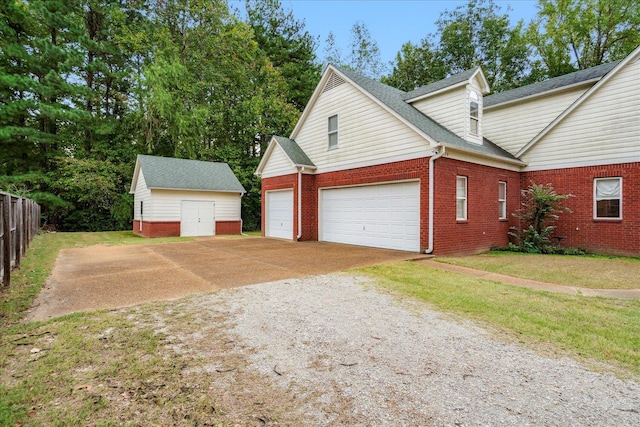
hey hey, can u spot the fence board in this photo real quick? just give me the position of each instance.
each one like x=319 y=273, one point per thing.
x=19 y=223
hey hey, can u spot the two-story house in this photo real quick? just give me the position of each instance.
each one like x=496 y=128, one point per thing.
x=440 y=169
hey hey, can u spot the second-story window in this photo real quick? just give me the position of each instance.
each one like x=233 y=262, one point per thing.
x=332 y=131
x=474 y=113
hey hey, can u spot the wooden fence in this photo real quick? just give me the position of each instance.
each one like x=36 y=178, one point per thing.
x=19 y=222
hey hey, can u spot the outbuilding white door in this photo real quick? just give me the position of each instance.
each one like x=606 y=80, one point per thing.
x=279 y=212
x=381 y=216
x=197 y=218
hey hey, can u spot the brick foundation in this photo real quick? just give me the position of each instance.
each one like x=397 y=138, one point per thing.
x=157 y=228
x=172 y=228
x=228 y=227
x=616 y=237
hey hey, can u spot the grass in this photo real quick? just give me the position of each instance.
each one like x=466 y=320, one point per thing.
x=146 y=365
x=589 y=271
x=597 y=329
x=158 y=363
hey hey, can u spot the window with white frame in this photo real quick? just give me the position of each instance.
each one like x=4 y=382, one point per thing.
x=607 y=198
x=474 y=113
x=502 y=200
x=332 y=131
x=461 y=197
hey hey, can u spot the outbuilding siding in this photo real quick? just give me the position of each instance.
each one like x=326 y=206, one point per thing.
x=167 y=204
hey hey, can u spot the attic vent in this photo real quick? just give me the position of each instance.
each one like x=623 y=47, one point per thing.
x=334 y=81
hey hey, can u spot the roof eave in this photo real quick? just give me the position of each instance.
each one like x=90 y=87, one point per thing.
x=514 y=162
x=544 y=93
x=197 y=189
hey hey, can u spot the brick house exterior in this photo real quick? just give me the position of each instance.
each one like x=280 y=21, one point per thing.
x=360 y=143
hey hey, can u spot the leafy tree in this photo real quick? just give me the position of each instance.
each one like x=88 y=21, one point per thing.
x=540 y=208
x=364 y=53
x=416 y=65
x=288 y=46
x=571 y=35
x=475 y=34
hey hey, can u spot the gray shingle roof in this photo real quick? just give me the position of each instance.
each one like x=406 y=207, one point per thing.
x=183 y=174
x=441 y=84
x=395 y=100
x=548 y=85
x=293 y=151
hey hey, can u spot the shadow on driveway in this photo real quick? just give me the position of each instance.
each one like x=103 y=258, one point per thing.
x=98 y=277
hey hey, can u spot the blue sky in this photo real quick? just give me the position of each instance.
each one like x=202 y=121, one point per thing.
x=391 y=23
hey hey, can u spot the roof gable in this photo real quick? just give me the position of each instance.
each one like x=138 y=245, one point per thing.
x=183 y=174
x=615 y=67
x=394 y=101
x=449 y=83
x=291 y=149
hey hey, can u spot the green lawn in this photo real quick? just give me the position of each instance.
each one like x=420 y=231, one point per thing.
x=589 y=271
x=600 y=329
x=115 y=368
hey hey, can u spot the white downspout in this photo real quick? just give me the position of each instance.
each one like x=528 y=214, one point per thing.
x=300 y=169
x=432 y=161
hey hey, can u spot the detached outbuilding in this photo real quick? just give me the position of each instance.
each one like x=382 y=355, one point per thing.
x=179 y=197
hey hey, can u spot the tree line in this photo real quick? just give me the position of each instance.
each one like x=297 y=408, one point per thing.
x=85 y=85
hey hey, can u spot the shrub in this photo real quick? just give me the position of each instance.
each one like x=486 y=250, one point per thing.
x=540 y=208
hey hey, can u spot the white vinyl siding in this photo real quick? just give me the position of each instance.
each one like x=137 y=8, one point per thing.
x=277 y=164
x=603 y=129
x=461 y=198
x=515 y=124
x=167 y=204
x=141 y=194
x=502 y=200
x=449 y=108
x=369 y=134
x=607 y=198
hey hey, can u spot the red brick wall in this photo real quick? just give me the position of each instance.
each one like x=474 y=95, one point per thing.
x=157 y=228
x=621 y=237
x=172 y=228
x=228 y=227
x=483 y=228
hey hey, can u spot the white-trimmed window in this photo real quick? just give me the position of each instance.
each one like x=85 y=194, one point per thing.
x=461 y=198
x=332 y=131
x=607 y=198
x=502 y=200
x=474 y=113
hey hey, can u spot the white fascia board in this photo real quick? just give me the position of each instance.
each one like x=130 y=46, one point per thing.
x=314 y=97
x=134 y=180
x=512 y=162
x=437 y=92
x=545 y=93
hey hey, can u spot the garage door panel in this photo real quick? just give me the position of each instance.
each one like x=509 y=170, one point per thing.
x=279 y=213
x=386 y=216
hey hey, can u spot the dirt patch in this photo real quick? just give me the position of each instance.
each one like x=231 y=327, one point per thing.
x=98 y=277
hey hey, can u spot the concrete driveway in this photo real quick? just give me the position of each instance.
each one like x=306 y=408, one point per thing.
x=98 y=277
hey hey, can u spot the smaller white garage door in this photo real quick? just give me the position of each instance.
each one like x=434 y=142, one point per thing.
x=279 y=212
x=381 y=216
x=197 y=218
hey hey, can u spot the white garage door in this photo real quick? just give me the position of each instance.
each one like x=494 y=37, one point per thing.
x=279 y=212
x=381 y=216
x=197 y=218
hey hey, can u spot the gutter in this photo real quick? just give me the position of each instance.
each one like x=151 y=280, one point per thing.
x=439 y=152
x=300 y=169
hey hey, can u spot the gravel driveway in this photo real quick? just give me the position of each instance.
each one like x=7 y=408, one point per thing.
x=356 y=355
